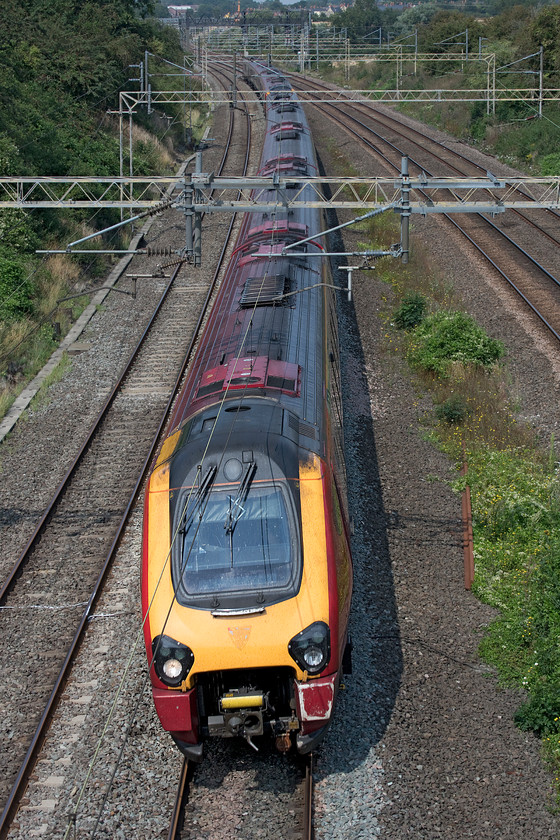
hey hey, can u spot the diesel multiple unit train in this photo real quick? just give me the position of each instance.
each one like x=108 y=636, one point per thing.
x=247 y=574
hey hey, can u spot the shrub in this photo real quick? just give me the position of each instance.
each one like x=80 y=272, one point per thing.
x=445 y=337
x=453 y=410
x=411 y=311
x=550 y=164
x=516 y=521
x=15 y=289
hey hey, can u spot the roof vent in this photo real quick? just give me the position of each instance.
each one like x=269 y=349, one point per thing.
x=285 y=108
x=301 y=427
x=264 y=291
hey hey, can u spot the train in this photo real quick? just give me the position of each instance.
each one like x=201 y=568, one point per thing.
x=246 y=566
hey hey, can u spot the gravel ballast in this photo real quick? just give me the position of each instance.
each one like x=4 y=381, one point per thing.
x=423 y=743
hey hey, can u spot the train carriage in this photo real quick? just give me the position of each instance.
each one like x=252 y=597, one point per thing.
x=247 y=577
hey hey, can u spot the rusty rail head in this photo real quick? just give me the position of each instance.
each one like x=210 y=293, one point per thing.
x=468 y=542
x=181 y=800
x=308 y=832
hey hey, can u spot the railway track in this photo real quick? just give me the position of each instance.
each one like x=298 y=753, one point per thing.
x=289 y=810
x=524 y=252
x=62 y=569
x=293 y=811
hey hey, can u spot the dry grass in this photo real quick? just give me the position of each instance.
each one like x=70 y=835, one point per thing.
x=26 y=344
x=12 y=335
x=490 y=414
x=140 y=135
x=60 y=274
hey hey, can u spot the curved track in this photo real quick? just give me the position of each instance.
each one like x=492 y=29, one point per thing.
x=65 y=562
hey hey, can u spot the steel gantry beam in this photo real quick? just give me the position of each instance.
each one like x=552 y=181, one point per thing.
x=132 y=100
x=197 y=193
x=219 y=193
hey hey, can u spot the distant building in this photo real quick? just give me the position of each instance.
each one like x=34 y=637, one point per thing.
x=177 y=11
x=330 y=10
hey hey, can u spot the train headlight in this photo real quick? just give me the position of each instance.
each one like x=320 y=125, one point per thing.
x=311 y=648
x=172 y=660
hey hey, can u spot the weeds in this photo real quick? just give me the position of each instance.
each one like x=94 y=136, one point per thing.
x=515 y=491
x=454 y=410
x=54 y=376
x=411 y=311
x=516 y=522
x=515 y=487
x=446 y=337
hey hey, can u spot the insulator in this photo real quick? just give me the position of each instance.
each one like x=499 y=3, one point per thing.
x=173 y=263
x=158 y=251
x=159 y=208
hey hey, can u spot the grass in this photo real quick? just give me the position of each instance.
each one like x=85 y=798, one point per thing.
x=28 y=338
x=515 y=485
x=56 y=375
x=27 y=343
x=516 y=525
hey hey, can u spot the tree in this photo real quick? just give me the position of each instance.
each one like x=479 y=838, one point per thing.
x=416 y=15
x=546 y=31
x=360 y=19
x=445 y=25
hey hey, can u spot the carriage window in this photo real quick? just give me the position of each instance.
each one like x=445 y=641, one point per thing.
x=234 y=546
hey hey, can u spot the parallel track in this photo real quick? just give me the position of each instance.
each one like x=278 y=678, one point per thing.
x=516 y=263
x=457 y=162
x=86 y=519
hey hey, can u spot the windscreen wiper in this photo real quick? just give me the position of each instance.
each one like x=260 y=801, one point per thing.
x=236 y=509
x=199 y=497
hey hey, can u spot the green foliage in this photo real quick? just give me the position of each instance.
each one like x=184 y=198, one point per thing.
x=10 y=162
x=439 y=34
x=546 y=31
x=61 y=67
x=412 y=17
x=161 y=10
x=516 y=523
x=512 y=23
x=527 y=141
x=550 y=164
x=411 y=311
x=513 y=491
x=453 y=410
x=445 y=337
x=17 y=234
x=15 y=289
x=360 y=19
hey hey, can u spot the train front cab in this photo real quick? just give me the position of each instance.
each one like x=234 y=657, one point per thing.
x=250 y=661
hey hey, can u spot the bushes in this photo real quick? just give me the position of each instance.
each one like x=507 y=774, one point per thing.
x=516 y=522
x=445 y=337
x=515 y=492
x=453 y=410
x=411 y=311
x=17 y=241
x=15 y=289
x=550 y=164
x=61 y=67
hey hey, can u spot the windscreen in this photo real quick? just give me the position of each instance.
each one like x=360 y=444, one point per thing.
x=234 y=544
